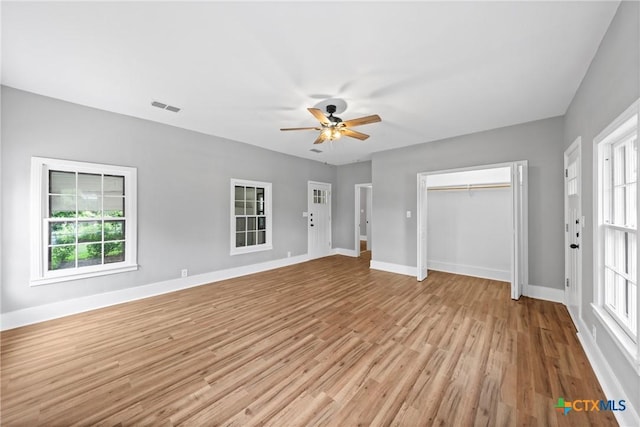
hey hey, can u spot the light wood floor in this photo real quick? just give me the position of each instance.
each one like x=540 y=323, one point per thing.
x=328 y=342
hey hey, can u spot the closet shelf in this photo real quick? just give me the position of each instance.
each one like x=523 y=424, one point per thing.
x=469 y=187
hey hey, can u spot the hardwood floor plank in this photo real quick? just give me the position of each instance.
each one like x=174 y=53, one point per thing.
x=324 y=343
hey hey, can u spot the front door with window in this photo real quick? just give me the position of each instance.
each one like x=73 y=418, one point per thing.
x=319 y=219
x=573 y=228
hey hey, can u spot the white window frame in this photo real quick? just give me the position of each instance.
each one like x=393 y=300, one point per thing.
x=40 y=167
x=612 y=134
x=267 y=213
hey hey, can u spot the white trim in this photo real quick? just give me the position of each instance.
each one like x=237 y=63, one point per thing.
x=470 y=270
x=393 y=268
x=363 y=238
x=544 y=293
x=41 y=313
x=345 y=252
x=605 y=375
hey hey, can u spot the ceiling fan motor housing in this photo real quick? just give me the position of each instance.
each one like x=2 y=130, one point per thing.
x=334 y=120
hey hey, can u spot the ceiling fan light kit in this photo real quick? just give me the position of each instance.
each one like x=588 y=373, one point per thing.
x=333 y=127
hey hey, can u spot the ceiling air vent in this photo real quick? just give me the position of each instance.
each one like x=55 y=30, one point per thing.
x=315 y=150
x=165 y=106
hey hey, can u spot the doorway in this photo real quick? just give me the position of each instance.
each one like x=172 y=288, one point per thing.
x=573 y=228
x=514 y=175
x=363 y=208
x=319 y=219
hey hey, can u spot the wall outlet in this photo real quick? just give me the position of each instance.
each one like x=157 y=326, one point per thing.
x=289 y=254
x=184 y=272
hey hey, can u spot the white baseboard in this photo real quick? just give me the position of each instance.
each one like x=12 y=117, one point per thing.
x=364 y=238
x=41 y=313
x=345 y=252
x=393 y=268
x=610 y=385
x=544 y=293
x=470 y=270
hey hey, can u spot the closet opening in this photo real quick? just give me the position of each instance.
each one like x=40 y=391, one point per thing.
x=473 y=221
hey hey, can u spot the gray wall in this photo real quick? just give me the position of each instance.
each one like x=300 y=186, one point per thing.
x=344 y=220
x=539 y=142
x=183 y=193
x=609 y=87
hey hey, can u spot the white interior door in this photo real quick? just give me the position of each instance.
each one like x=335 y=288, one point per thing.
x=422 y=228
x=319 y=219
x=368 y=210
x=519 y=272
x=573 y=227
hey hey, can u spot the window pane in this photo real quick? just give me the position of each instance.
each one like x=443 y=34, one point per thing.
x=241 y=239
x=260 y=199
x=89 y=205
x=113 y=252
x=89 y=254
x=62 y=206
x=61 y=257
x=241 y=224
x=251 y=194
x=251 y=223
x=262 y=222
x=239 y=192
x=262 y=237
x=114 y=207
x=89 y=183
x=62 y=182
x=62 y=233
x=113 y=185
x=113 y=230
x=89 y=231
x=251 y=238
x=631 y=205
x=239 y=208
x=251 y=207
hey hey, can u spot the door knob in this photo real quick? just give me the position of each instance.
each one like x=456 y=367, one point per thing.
x=574 y=246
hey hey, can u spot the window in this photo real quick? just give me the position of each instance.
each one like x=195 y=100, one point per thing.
x=250 y=216
x=84 y=220
x=618 y=222
x=320 y=197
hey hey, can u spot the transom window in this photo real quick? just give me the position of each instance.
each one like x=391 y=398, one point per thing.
x=618 y=211
x=251 y=216
x=83 y=220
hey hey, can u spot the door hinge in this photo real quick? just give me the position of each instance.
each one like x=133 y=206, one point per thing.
x=566 y=173
x=566 y=228
x=567 y=283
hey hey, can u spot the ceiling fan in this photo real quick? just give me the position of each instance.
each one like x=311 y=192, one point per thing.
x=332 y=127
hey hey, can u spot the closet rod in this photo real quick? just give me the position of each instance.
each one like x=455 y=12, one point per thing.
x=468 y=187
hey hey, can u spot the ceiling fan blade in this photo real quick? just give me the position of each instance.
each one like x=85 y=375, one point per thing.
x=318 y=114
x=320 y=139
x=362 y=121
x=353 y=134
x=316 y=128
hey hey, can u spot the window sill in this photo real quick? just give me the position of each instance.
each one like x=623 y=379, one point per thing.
x=250 y=249
x=626 y=345
x=82 y=275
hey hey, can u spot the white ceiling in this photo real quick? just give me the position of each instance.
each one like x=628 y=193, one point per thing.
x=243 y=70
